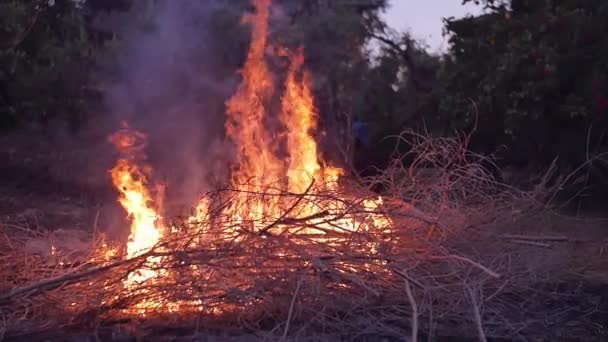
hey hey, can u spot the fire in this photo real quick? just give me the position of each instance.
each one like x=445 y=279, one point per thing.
x=247 y=109
x=300 y=119
x=259 y=175
x=132 y=183
x=257 y=167
x=135 y=199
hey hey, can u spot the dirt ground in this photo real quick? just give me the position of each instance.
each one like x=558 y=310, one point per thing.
x=50 y=184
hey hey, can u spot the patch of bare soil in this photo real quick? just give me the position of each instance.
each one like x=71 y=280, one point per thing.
x=567 y=256
x=49 y=183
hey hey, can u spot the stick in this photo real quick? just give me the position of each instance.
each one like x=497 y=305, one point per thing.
x=290 y=220
x=540 y=238
x=469 y=261
x=408 y=278
x=95 y=223
x=477 y=315
x=70 y=278
x=531 y=243
x=410 y=297
x=295 y=204
x=291 y=306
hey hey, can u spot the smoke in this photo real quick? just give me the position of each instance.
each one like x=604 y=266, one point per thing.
x=174 y=74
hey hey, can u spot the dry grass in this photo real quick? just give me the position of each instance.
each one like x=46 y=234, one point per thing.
x=437 y=271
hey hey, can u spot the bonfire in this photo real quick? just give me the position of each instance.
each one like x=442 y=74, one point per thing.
x=292 y=244
x=295 y=201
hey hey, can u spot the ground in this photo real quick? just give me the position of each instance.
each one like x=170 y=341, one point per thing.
x=50 y=184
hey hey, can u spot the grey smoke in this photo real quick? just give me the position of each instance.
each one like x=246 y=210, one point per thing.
x=175 y=72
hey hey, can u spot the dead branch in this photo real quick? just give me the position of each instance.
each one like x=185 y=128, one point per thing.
x=289 y=210
x=531 y=243
x=477 y=315
x=291 y=307
x=410 y=296
x=471 y=262
x=53 y=283
x=558 y=238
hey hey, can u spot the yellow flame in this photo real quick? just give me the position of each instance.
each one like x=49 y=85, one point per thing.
x=132 y=183
x=247 y=109
x=258 y=169
x=299 y=117
x=257 y=166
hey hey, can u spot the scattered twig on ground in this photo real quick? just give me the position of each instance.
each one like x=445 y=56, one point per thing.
x=531 y=243
x=477 y=315
x=559 y=238
x=414 y=306
x=291 y=307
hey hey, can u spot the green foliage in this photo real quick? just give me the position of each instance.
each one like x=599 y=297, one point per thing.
x=392 y=100
x=536 y=71
x=42 y=50
x=397 y=91
x=334 y=35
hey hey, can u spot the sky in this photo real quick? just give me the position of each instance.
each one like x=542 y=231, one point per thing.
x=423 y=18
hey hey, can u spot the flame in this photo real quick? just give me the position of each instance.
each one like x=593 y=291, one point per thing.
x=380 y=221
x=247 y=109
x=132 y=182
x=135 y=199
x=299 y=116
x=257 y=167
x=258 y=174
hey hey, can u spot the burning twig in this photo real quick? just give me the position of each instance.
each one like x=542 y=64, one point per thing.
x=289 y=210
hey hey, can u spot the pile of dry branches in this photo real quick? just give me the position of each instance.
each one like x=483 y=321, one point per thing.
x=430 y=271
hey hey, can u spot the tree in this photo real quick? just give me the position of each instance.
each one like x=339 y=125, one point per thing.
x=334 y=36
x=47 y=50
x=535 y=71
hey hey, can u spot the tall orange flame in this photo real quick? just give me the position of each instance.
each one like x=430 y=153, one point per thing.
x=257 y=168
x=257 y=171
x=299 y=117
x=247 y=109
